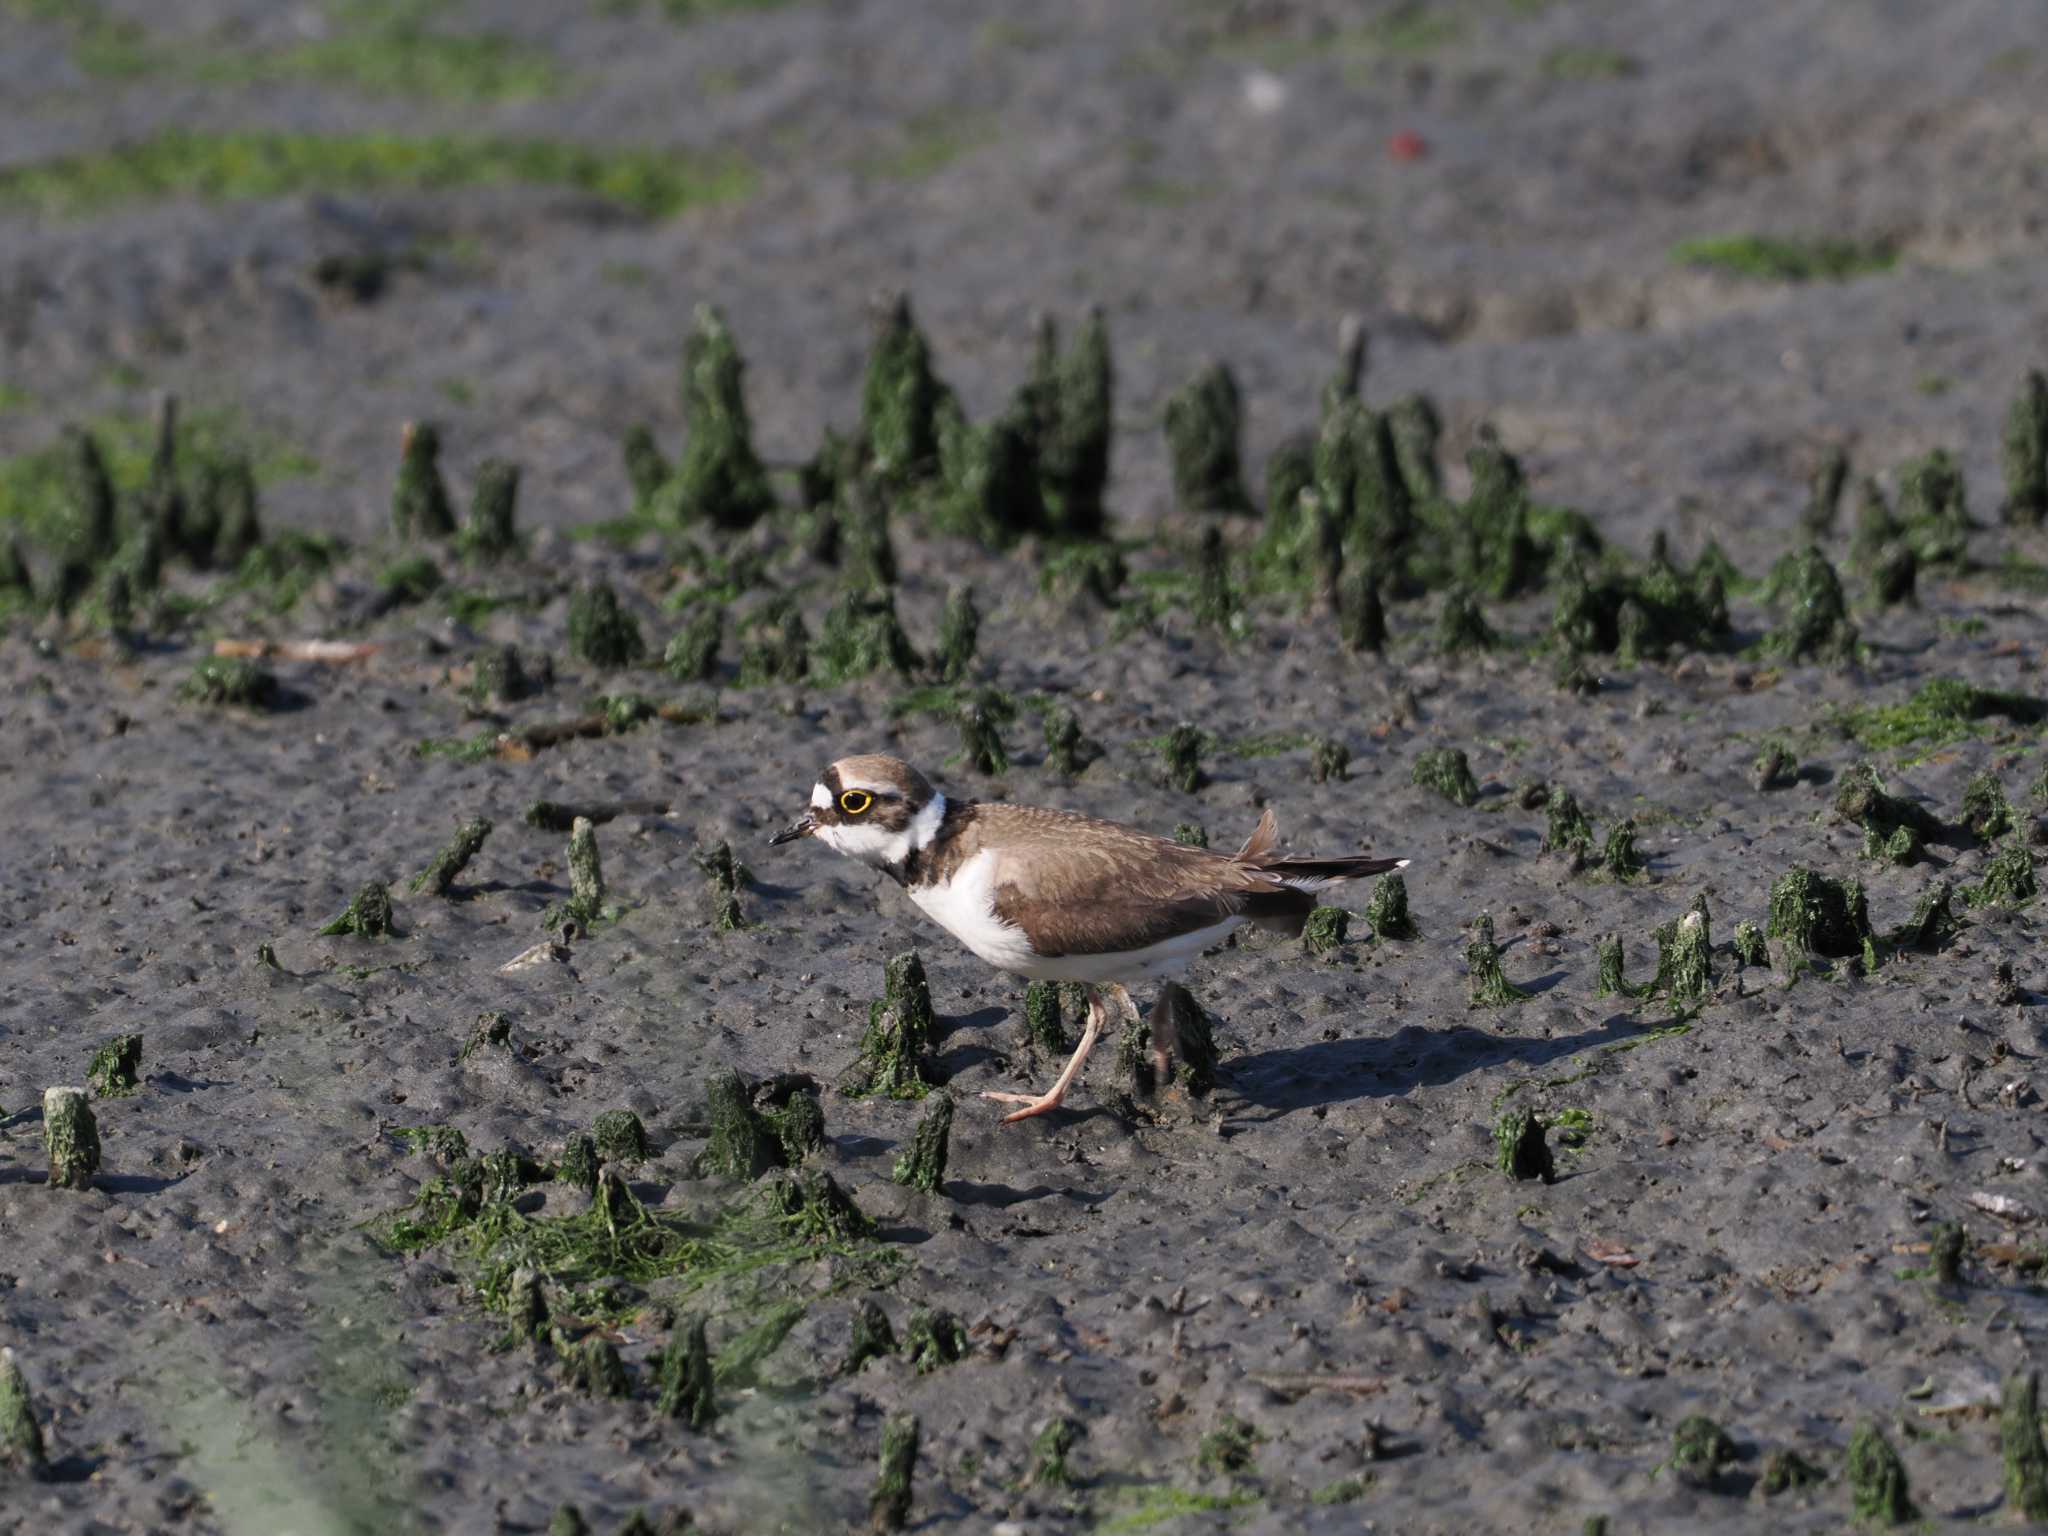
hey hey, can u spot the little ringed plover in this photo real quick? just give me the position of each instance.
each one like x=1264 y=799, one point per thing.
x=1053 y=896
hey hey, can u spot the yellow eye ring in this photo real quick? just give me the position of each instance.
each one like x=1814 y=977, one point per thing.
x=854 y=801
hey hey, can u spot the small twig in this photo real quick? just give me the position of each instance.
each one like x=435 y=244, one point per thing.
x=297 y=650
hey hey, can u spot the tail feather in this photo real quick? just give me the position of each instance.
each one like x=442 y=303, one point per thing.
x=1311 y=874
x=1302 y=871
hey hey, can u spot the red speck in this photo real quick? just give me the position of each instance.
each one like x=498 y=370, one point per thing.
x=1407 y=145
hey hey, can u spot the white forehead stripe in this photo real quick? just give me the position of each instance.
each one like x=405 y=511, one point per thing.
x=821 y=797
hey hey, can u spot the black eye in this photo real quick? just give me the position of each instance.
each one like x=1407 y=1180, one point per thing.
x=854 y=801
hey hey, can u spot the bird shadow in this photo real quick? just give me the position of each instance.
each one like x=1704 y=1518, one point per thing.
x=981 y=1018
x=969 y=1192
x=1414 y=1056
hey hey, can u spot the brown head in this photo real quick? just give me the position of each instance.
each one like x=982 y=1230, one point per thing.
x=877 y=809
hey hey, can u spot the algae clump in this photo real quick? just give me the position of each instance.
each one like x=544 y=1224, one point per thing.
x=1490 y=987
x=1877 y=1479
x=115 y=1068
x=889 y=1505
x=367 y=916
x=21 y=1434
x=1447 y=771
x=440 y=876
x=1700 y=1448
x=71 y=1138
x=1181 y=758
x=420 y=508
x=1204 y=422
x=899 y=1034
x=2008 y=879
x=934 y=1338
x=720 y=479
x=1044 y=1029
x=237 y=681
x=602 y=632
x=1387 y=911
x=2019 y=1440
x=1816 y=622
x=1520 y=1151
x=684 y=1382
x=691 y=655
x=492 y=532
x=1325 y=931
x=1817 y=915
x=923 y=1164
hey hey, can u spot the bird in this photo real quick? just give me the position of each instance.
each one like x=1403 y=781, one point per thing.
x=1052 y=895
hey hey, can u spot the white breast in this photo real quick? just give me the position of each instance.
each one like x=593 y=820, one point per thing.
x=965 y=907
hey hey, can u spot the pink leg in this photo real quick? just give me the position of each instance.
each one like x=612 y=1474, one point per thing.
x=1051 y=1101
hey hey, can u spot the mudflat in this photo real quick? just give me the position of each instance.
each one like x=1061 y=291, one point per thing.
x=1685 y=466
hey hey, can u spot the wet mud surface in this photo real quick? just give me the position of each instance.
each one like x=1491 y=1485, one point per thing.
x=1304 y=1300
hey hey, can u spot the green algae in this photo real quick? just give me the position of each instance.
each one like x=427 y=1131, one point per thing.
x=1204 y=425
x=889 y=1504
x=901 y=1026
x=1941 y=711
x=604 y=1262
x=1815 y=623
x=1067 y=751
x=492 y=529
x=1230 y=1448
x=2008 y=879
x=959 y=627
x=1817 y=915
x=1878 y=1489
x=1446 y=771
x=685 y=1386
x=1076 y=393
x=1986 y=813
x=861 y=634
x=21 y=1430
x=934 y=1339
x=368 y=914
x=1700 y=1450
x=1181 y=758
x=601 y=631
x=1387 y=911
x=1152 y=1505
x=1893 y=828
x=2019 y=1439
x=1566 y=829
x=1781 y=259
x=234 y=683
x=1050 y=1448
x=439 y=877
x=873 y=1338
x=1325 y=932
x=981 y=717
x=2023 y=453
x=1750 y=947
x=1619 y=859
x=1520 y=1150
x=901 y=397
x=218 y=167
x=923 y=1163
x=71 y=1138
x=1786 y=1471
x=115 y=1068
x=720 y=479
x=1490 y=987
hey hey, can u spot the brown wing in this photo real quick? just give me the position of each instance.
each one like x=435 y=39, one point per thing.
x=1094 y=886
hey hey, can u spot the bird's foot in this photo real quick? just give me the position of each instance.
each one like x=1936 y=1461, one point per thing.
x=1034 y=1103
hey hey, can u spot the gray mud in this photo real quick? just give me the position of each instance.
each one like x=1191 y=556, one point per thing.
x=1322 y=1248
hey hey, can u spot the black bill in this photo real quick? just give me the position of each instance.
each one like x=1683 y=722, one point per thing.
x=803 y=826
